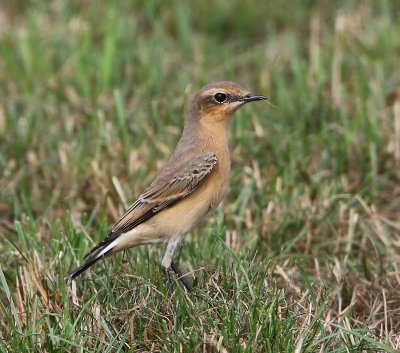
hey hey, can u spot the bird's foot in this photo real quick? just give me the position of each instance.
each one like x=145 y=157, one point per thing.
x=181 y=276
x=168 y=279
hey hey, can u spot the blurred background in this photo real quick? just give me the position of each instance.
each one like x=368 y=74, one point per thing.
x=92 y=101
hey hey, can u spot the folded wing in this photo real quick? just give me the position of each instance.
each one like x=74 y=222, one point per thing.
x=168 y=188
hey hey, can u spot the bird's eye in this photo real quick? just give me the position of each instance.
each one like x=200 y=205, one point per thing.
x=220 y=97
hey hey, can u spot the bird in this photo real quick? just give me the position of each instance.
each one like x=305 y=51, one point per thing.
x=188 y=188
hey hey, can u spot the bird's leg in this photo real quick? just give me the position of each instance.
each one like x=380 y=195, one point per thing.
x=167 y=278
x=168 y=264
x=181 y=276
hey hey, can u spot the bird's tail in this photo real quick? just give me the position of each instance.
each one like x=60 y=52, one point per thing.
x=95 y=255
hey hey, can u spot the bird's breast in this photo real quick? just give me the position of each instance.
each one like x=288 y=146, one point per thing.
x=219 y=181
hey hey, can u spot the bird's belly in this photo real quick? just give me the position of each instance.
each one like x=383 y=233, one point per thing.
x=186 y=214
x=178 y=219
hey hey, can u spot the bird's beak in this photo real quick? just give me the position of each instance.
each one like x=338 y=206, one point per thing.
x=250 y=97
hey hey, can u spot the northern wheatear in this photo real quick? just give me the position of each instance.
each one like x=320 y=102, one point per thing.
x=189 y=187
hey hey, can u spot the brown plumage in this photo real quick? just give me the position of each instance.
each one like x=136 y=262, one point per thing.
x=189 y=187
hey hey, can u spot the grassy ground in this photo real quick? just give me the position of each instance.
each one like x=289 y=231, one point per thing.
x=304 y=254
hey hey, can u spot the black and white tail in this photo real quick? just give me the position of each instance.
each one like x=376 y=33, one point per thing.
x=96 y=254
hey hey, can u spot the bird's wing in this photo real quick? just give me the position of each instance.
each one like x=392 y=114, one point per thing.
x=169 y=187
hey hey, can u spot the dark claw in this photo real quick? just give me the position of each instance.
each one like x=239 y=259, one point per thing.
x=182 y=277
x=168 y=279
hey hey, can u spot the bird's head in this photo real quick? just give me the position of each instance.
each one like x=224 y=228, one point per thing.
x=217 y=101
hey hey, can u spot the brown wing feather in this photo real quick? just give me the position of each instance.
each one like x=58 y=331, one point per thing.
x=165 y=190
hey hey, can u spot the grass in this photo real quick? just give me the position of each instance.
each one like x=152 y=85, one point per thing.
x=304 y=254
